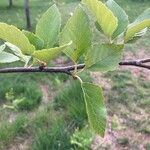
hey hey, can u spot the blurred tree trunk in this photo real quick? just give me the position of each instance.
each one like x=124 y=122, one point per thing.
x=10 y=3
x=27 y=13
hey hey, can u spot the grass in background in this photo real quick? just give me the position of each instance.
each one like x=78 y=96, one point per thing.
x=71 y=100
x=10 y=130
x=49 y=130
x=129 y=99
x=45 y=123
x=68 y=114
x=42 y=125
x=127 y=88
x=70 y=104
x=20 y=90
x=54 y=137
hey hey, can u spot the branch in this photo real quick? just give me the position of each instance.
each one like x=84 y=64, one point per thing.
x=137 y=63
x=68 y=69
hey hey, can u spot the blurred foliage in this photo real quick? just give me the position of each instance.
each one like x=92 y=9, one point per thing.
x=56 y=137
x=9 y=130
x=82 y=139
x=19 y=90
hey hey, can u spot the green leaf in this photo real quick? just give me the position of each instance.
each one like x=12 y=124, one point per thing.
x=95 y=107
x=48 y=26
x=137 y=36
x=123 y=20
x=104 y=57
x=135 y=29
x=2 y=47
x=8 y=57
x=34 y=39
x=13 y=35
x=46 y=55
x=104 y=16
x=142 y=22
x=18 y=53
x=77 y=30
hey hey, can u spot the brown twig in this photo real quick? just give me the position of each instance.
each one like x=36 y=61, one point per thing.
x=137 y=63
x=68 y=69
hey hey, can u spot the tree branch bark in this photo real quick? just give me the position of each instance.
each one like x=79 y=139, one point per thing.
x=69 y=69
x=27 y=13
x=10 y=3
x=66 y=70
x=137 y=63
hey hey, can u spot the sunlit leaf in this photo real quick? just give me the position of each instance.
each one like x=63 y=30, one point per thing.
x=104 y=57
x=77 y=29
x=8 y=57
x=34 y=39
x=123 y=20
x=13 y=35
x=137 y=36
x=48 y=26
x=95 y=107
x=46 y=55
x=142 y=22
x=135 y=29
x=104 y=16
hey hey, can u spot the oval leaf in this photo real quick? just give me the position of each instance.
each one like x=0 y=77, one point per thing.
x=13 y=35
x=77 y=29
x=142 y=22
x=104 y=57
x=95 y=107
x=34 y=39
x=48 y=26
x=123 y=20
x=8 y=57
x=46 y=55
x=104 y=16
x=136 y=29
x=137 y=36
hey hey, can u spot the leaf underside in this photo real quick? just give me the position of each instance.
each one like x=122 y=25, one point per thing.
x=8 y=57
x=16 y=51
